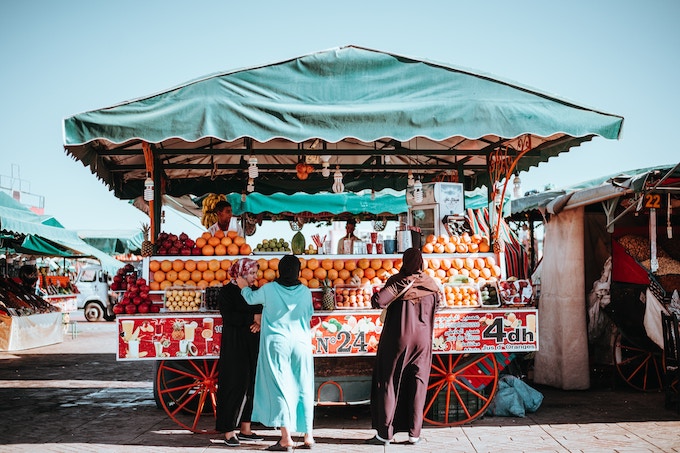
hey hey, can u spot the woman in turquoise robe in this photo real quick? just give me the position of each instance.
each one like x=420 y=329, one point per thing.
x=284 y=381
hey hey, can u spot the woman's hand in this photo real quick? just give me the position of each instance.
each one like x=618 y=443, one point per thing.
x=257 y=320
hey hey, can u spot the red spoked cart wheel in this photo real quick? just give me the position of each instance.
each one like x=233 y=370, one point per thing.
x=461 y=388
x=187 y=390
x=640 y=367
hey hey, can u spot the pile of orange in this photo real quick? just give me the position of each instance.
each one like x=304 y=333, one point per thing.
x=464 y=243
x=461 y=296
x=187 y=272
x=478 y=269
x=221 y=244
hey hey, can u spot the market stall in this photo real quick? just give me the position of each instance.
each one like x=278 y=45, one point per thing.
x=622 y=232
x=372 y=120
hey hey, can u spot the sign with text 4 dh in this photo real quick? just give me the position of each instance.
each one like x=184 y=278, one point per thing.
x=357 y=332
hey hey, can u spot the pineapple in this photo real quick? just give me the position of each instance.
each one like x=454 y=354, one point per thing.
x=147 y=245
x=177 y=330
x=328 y=295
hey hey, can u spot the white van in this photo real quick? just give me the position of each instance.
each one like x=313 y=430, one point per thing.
x=94 y=295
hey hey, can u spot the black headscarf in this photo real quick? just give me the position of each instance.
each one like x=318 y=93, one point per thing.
x=289 y=271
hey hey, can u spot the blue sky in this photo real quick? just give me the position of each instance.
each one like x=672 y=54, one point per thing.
x=62 y=58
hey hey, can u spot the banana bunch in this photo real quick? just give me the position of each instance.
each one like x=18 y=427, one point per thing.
x=208 y=208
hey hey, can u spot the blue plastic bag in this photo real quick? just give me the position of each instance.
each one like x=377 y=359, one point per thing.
x=514 y=398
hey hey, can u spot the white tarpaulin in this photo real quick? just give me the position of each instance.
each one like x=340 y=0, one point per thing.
x=34 y=331
x=562 y=360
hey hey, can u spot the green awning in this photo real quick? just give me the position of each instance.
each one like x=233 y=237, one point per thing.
x=377 y=115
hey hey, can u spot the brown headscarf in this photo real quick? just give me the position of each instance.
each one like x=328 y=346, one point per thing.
x=412 y=270
x=289 y=271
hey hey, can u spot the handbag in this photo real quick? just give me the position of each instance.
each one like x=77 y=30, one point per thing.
x=396 y=290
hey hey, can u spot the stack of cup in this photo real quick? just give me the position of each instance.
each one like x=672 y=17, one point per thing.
x=375 y=245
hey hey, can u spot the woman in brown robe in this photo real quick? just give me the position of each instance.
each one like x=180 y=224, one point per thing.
x=404 y=355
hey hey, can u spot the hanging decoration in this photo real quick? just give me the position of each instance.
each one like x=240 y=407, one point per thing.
x=418 y=191
x=338 y=186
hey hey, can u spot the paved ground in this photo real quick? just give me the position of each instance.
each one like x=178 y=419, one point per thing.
x=75 y=397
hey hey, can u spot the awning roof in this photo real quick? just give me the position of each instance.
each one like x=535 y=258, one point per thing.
x=41 y=239
x=378 y=115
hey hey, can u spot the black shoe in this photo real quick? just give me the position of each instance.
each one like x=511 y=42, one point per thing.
x=252 y=436
x=376 y=441
x=232 y=442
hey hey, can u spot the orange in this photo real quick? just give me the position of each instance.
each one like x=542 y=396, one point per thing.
x=455 y=239
x=154 y=286
x=154 y=266
x=443 y=239
x=338 y=281
x=307 y=273
x=484 y=247
x=490 y=261
x=225 y=264
x=338 y=265
x=440 y=274
x=196 y=276
x=190 y=284
x=434 y=263
x=358 y=272
x=369 y=273
x=485 y=273
x=274 y=264
x=200 y=242
x=213 y=265
x=473 y=248
x=376 y=264
x=208 y=275
x=245 y=249
x=458 y=263
x=303 y=281
x=320 y=273
x=261 y=282
x=350 y=265
x=387 y=264
x=190 y=265
x=495 y=271
x=469 y=263
x=269 y=275
x=166 y=265
x=208 y=250
x=171 y=276
x=238 y=240
x=159 y=276
x=218 y=234
x=165 y=284
x=438 y=248
x=327 y=264
x=214 y=241
x=232 y=249
x=220 y=275
x=332 y=274
x=476 y=238
x=474 y=273
x=480 y=263
x=343 y=274
x=303 y=262
x=465 y=237
x=450 y=247
x=429 y=272
x=451 y=272
x=232 y=234
x=203 y=284
x=461 y=248
x=430 y=239
x=225 y=241
x=184 y=275
x=313 y=283
x=428 y=248
x=263 y=264
x=445 y=264
x=220 y=250
x=382 y=274
x=206 y=235
x=202 y=265
x=312 y=264
x=363 y=263
x=215 y=283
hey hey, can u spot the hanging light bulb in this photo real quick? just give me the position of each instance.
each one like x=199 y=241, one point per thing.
x=253 y=171
x=338 y=186
x=516 y=186
x=410 y=180
x=325 y=166
x=418 y=191
x=148 y=189
x=251 y=185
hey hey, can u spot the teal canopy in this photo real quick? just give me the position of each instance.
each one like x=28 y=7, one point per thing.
x=373 y=116
x=114 y=242
x=32 y=236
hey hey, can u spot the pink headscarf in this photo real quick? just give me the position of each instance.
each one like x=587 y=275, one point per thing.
x=241 y=267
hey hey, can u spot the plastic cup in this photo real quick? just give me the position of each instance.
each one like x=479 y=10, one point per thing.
x=369 y=248
x=374 y=237
x=379 y=248
x=133 y=349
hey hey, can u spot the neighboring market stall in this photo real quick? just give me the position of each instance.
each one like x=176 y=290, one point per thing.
x=611 y=247
x=372 y=121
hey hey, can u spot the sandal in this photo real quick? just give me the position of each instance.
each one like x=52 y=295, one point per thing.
x=306 y=446
x=278 y=447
